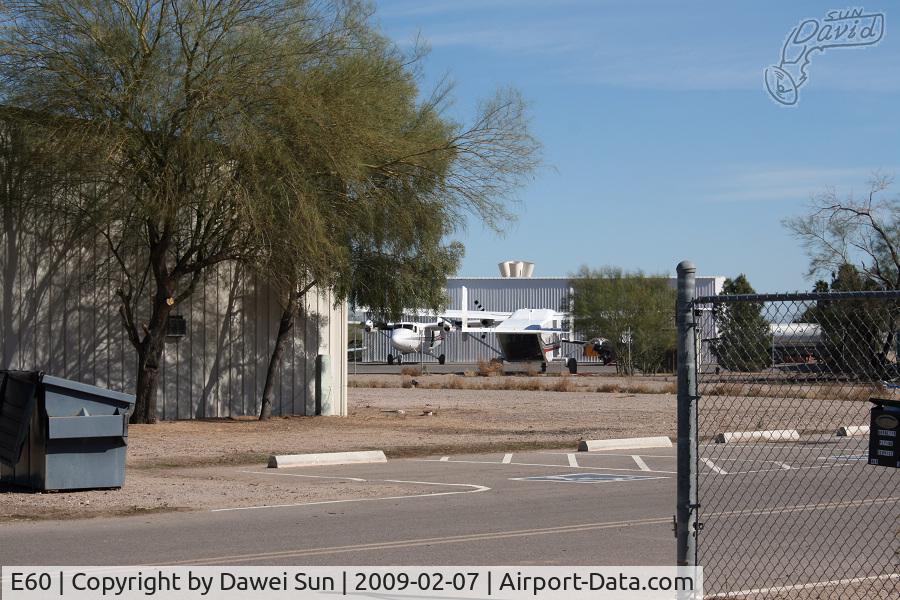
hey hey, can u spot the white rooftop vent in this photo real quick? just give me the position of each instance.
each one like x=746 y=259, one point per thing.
x=516 y=268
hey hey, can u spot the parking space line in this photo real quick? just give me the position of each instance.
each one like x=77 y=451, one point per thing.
x=475 y=489
x=834 y=466
x=808 y=586
x=573 y=462
x=507 y=458
x=487 y=462
x=769 y=445
x=624 y=453
x=416 y=542
x=804 y=507
x=713 y=466
x=283 y=474
x=640 y=462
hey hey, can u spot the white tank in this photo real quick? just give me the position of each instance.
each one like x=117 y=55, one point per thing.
x=516 y=268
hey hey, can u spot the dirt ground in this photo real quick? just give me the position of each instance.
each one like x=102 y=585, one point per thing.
x=166 y=461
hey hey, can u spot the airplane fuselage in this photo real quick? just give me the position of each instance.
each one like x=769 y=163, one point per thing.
x=414 y=338
x=523 y=347
x=407 y=341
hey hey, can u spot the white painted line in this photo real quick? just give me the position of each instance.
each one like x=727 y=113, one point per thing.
x=834 y=466
x=445 y=458
x=624 y=444
x=843 y=457
x=851 y=430
x=475 y=489
x=773 y=435
x=792 y=447
x=623 y=453
x=417 y=542
x=279 y=461
x=283 y=474
x=573 y=462
x=713 y=466
x=805 y=507
x=507 y=458
x=809 y=586
x=488 y=462
x=564 y=479
x=640 y=462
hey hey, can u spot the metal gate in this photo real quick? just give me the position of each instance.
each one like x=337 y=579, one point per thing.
x=777 y=498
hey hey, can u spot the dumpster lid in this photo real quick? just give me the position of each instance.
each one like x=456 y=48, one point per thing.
x=49 y=380
x=885 y=402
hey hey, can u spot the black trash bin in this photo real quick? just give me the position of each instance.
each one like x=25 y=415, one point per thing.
x=57 y=434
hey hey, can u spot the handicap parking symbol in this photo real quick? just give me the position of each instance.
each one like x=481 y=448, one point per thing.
x=586 y=477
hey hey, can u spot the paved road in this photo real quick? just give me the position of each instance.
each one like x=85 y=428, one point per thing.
x=546 y=508
x=499 y=519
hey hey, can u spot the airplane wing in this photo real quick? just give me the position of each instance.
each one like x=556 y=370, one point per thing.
x=524 y=320
x=484 y=318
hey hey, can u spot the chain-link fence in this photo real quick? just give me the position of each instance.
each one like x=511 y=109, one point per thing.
x=785 y=503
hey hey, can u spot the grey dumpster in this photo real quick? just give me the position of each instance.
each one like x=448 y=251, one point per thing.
x=57 y=434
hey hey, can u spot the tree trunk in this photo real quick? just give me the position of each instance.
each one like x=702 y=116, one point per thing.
x=150 y=352
x=288 y=317
x=147 y=384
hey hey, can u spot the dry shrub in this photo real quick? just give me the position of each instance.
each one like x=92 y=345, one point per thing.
x=455 y=383
x=370 y=383
x=531 y=370
x=636 y=388
x=411 y=371
x=649 y=388
x=523 y=384
x=487 y=368
x=607 y=388
x=797 y=389
x=563 y=384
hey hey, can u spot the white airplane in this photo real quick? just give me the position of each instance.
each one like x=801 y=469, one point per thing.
x=526 y=335
x=408 y=337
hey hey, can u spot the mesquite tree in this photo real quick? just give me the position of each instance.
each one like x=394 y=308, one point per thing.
x=389 y=178
x=859 y=232
x=173 y=93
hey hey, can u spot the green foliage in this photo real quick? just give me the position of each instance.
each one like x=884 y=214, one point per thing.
x=855 y=331
x=288 y=135
x=862 y=231
x=612 y=304
x=745 y=339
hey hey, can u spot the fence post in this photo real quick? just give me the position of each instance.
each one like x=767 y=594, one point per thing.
x=686 y=501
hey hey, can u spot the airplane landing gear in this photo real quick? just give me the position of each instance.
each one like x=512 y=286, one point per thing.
x=572 y=365
x=442 y=359
x=390 y=359
x=543 y=367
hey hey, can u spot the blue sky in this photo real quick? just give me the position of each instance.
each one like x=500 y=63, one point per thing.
x=660 y=140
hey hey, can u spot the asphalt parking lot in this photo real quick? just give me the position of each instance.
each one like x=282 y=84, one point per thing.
x=553 y=507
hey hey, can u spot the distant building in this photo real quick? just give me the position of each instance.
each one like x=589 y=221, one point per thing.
x=515 y=288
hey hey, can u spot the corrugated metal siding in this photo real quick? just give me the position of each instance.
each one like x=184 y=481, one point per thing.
x=58 y=316
x=504 y=295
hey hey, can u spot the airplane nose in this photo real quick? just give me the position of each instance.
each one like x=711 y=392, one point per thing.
x=401 y=340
